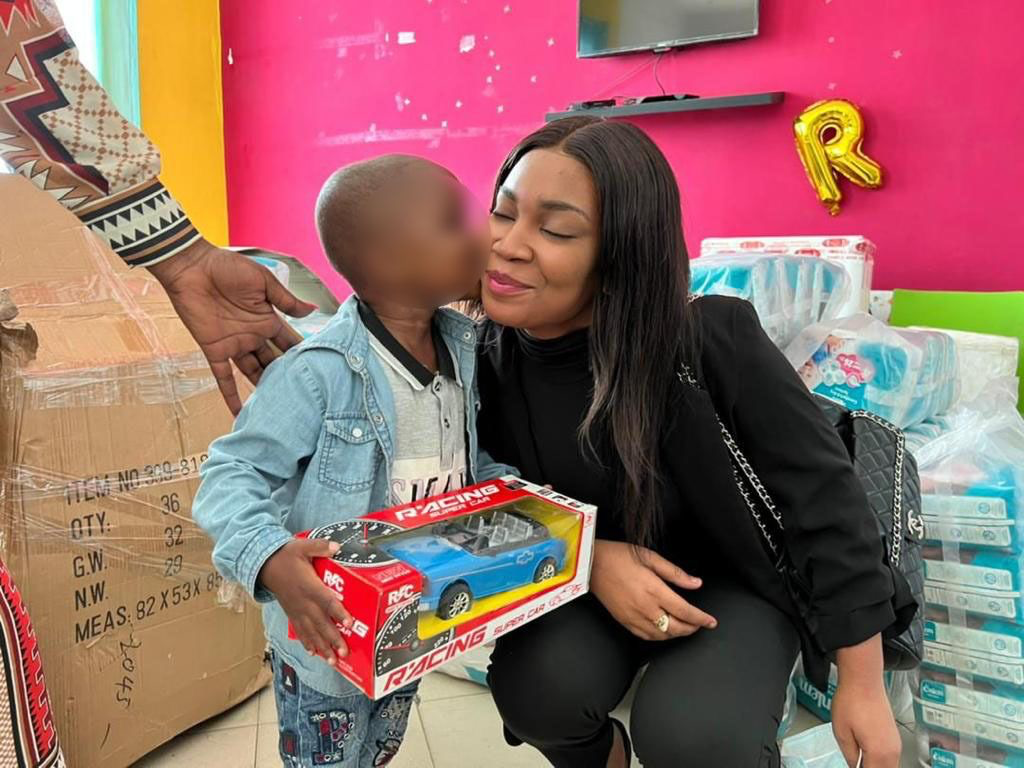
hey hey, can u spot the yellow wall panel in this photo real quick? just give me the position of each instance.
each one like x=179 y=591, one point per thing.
x=182 y=104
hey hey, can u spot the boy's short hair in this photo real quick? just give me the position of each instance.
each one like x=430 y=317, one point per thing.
x=344 y=207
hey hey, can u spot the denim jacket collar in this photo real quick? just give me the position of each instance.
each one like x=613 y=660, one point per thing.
x=347 y=335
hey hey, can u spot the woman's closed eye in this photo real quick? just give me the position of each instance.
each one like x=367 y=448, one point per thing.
x=502 y=215
x=557 y=235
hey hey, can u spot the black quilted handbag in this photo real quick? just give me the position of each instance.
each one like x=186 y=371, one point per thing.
x=888 y=473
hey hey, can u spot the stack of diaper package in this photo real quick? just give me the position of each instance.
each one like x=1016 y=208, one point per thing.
x=788 y=292
x=853 y=253
x=970 y=699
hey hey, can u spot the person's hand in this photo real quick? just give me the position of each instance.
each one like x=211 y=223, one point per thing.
x=313 y=608
x=227 y=302
x=635 y=591
x=862 y=719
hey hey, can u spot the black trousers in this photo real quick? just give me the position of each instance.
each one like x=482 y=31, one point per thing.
x=713 y=699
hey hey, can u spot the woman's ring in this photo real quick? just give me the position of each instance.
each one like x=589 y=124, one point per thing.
x=662 y=623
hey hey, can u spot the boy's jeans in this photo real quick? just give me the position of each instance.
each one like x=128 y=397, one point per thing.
x=347 y=732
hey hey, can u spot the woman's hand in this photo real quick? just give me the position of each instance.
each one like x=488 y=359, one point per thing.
x=861 y=714
x=636 y=592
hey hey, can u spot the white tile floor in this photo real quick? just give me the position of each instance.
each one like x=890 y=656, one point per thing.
x=455 y=725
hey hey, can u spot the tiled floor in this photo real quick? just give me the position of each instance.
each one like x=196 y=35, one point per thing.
x=455 y=725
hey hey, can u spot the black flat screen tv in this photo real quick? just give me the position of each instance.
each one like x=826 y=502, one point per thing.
x=609 y=27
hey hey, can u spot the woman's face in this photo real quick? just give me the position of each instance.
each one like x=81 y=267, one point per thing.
x=544 y=241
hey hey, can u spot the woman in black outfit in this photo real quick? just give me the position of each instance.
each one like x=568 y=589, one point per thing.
x=587 y=298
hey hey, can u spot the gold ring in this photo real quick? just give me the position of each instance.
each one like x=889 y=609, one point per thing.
x=662 y=623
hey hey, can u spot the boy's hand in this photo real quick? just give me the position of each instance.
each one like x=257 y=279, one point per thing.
x=312 y=606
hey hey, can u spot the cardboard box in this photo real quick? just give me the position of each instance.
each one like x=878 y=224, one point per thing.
x=856 y=254
x=106 y=411
x=428 y=582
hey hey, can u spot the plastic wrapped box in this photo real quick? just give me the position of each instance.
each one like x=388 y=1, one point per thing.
x=788 y=292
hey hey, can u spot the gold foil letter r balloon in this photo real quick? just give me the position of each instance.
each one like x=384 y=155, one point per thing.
x=828 y=140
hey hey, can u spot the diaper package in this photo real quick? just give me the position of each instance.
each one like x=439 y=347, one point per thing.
x=814 y=748
x=903 y=376
x=276 y=266
x=855 y=254
x=948 y=749
x=302 y=282
x=977 y=581
x=970 y=698
x=982 y=698
x=472 y=666
x=981 y=359
x=788 y=292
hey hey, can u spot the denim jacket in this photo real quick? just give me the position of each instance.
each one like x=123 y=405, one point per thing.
x=313 y=445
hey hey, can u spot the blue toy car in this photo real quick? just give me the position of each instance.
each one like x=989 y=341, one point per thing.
x=471 y=557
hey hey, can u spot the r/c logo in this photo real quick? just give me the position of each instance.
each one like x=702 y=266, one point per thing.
x=402 y=593
x=334 y=581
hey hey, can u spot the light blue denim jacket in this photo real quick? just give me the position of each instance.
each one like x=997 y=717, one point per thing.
x=313 y=445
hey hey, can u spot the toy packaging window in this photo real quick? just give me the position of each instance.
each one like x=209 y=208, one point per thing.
x=428 y=582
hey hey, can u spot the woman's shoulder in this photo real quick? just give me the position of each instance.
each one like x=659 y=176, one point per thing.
x=723 y=324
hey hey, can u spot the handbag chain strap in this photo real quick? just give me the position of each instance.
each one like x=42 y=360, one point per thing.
x=896 y=545
x=742 y=470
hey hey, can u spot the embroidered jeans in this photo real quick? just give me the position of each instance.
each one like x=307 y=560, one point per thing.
x=348 y=732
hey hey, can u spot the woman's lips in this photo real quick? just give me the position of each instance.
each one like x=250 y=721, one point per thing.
x=505 y=285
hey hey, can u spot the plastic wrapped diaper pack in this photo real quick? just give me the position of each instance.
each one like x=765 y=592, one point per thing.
x=788 y=292
x=854 y=253
x=986 y=649
x=311 y=290
x=276 y=266
x=970 y=699
x=472 y=666
x=982 y=359
x=903 y=376
x=814 y=748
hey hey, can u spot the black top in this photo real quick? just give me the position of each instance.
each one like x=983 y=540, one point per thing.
x=831 y=535
x=557 y=385
x=420 y=372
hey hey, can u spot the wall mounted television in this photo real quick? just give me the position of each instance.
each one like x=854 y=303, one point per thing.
x=609 y=27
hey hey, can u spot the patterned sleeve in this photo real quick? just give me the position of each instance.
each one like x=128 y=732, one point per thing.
x=60 y=129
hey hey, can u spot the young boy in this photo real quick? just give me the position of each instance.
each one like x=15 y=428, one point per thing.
x=377 y=409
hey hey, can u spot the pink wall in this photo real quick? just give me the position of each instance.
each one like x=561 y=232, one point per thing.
x=313 y=85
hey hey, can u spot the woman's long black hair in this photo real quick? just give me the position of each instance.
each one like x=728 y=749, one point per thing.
x=642 y=323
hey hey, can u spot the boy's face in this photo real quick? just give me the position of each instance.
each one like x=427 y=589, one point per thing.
x=437 y=248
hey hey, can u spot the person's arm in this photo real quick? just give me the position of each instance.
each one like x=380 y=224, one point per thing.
x=277 y=430
x=60 y=129
x=234 y=503
x=830 y=534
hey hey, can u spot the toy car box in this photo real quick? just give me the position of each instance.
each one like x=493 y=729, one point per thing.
x=429 y=581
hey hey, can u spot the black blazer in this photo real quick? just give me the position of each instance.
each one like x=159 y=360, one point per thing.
x=830 y=533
